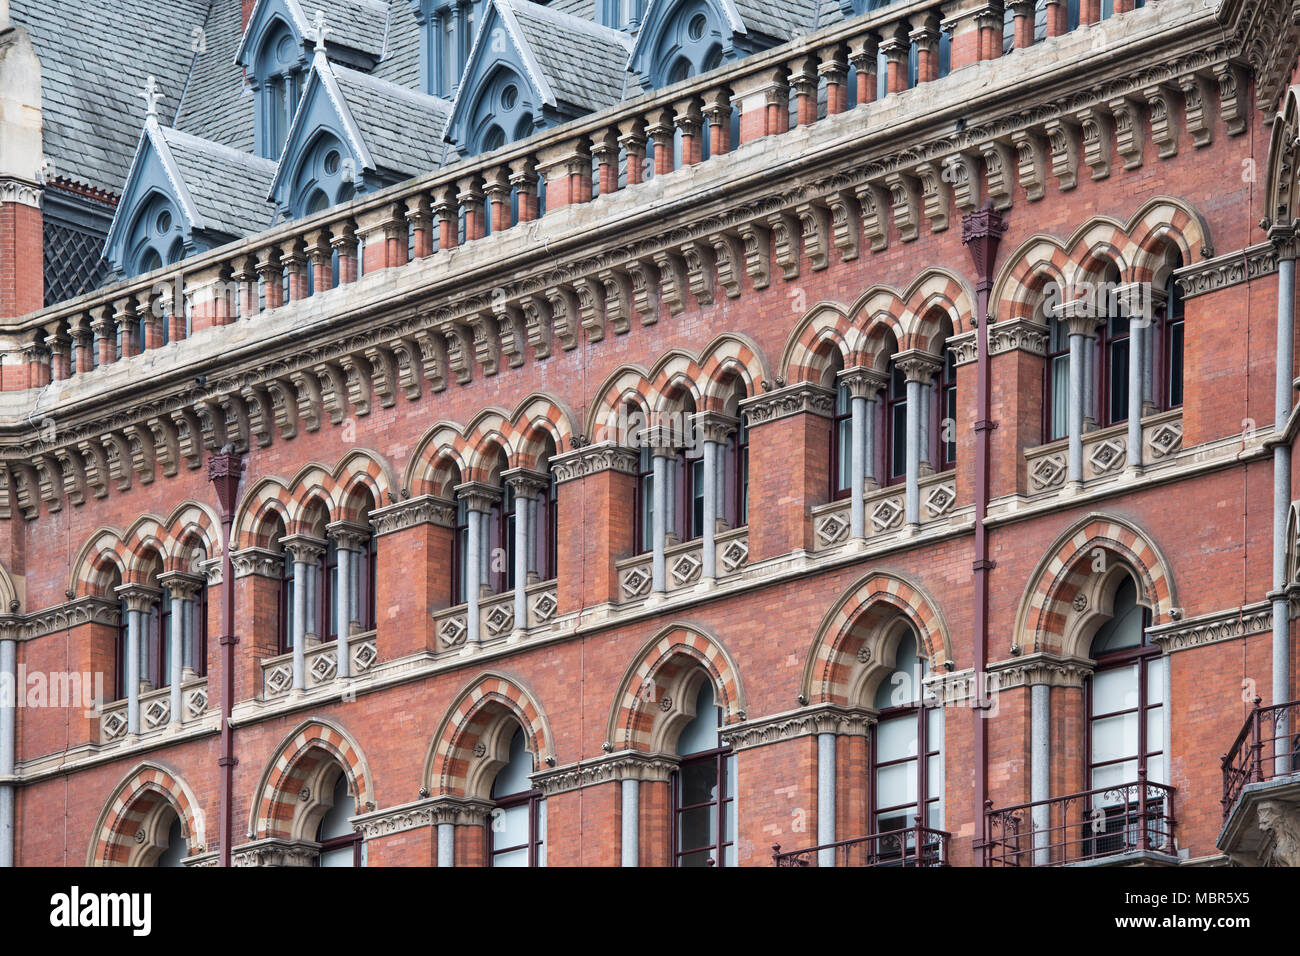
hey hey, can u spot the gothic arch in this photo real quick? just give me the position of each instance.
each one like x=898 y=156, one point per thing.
x=102 y=553
x=827 y=326
x=1138 y=248
x=536 y=418
x=473 y=741
x=639 y=720
x=731 y=354
x=267 y=498
x=126 y=831
x=1063 y=603
x=441 y=446
x=281 y=809
x=856 y=638
x=1283 y=157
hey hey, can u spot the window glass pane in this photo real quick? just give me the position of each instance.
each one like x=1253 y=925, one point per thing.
x=1060 y=397
x=513 y=858
x=698 y=827
x=702 y=732
x=1176 y=365
x=699 y=783
x=845 y=437
x=1156 y=681
x=343 y=856
x=541 y=833
x=1155 y=729
x=1114 y=689
x=697 y=498
x=896 y=784
x=510 y=826
x=1113 y=775
x=513 y=777
x=1155 y=772
x=175 y=852
x=1118 y=381
x=335 y=822
x=896 y=738
x=1114 y=737
x=898 y=447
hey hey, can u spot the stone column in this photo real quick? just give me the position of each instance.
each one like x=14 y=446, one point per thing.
x=479 y=499
x=138 y=598
x=8 y=703
x=919 y=367
x=349 y=539
x=1081 y=320
x=182 y=588
x=663 y=460
x=713 y=428
x=864 y=384
x=305 y=551
x=1284 y=239
x=526 y=485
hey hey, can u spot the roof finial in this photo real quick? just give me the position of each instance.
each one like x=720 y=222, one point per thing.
x=151 y=96
x=322 y=31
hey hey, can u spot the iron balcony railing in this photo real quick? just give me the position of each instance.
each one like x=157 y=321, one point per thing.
x=1267 y=747
x=913 y=846
x=1081 y=827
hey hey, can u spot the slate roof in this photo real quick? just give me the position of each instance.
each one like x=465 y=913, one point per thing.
x=227 y=185
x=401 y=61
x=583 y=62
x=217 y=105
x=95 y=56
x=401 y=128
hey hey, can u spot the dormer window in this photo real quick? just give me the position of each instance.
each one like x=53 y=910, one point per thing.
x=451 y=27
x=622 y=14
x=279 y=74
x=156 y=237
x=692 y=44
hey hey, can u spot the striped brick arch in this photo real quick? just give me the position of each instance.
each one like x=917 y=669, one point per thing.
x=298 y=760
x=826 y=328
x=1139 y=247
x=472 y=449
x=131 y=553
x=122 y=827
x=729 y=356
x=847 y=650
x=1063 y=593
x=470 y=744
x=649 y=695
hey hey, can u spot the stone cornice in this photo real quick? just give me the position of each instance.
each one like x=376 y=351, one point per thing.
x=83 y=610
x=1191 y=47
x=424 y=509
x=824 y=719
x=623 y=765
x=261 y=562
x=1223 y=272
x=1038 y=668
x=797 y=399
x=429 y=812
x=274 y=851
x=591 y=459
x=1213 y=628
x=20 y=192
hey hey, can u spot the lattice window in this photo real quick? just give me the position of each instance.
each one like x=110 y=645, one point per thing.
x=73 y=264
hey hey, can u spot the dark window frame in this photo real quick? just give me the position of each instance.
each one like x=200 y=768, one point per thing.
x=719 y=756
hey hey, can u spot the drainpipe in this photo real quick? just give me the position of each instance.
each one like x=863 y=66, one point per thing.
x=1284 y=240
x=8 y=705
x=224 y=471
x=980 y=233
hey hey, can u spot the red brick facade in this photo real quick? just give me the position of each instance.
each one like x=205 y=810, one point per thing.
x=793 y=640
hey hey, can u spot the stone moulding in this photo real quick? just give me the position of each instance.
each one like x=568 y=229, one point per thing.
x=825 y=719
x=790 y=400
x=1215 y=627
x=592 y=459
x=624 y=765
x=1231 y=269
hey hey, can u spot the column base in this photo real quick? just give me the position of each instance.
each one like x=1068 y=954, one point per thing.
x=516 y=636
x=705 y=584
x=856 y=544
x=469 y=649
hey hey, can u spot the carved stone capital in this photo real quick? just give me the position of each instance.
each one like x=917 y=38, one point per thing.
x=261 y=562
x=478 y=496
x=138 y=597
x=182 y=584
x=1041 y=667
x=918 y=366
x=426 y=509
x=592 y=459
x=274 y=851
x=303 y=547
x=798 y=399
x=863 y=382
x=822 y=719
x=623 y=765
x=714 y=426
x=1222 y=272
x=347 y=535
x=525 y=482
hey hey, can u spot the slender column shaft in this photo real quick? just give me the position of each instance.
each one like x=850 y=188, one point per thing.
x=473 y=576
x=133 y=672
x=825 y=797
x=711 y=503
x=344 y=609
x=8 y=704
x=913 y=505
x=858 y=466
x=300 y=603
x=631 y=823
x=523 y=539
x=657 y=521
x=446 y=844
x=1136 y=351
x=177 y=638
x=1040 y=765
x=1078 y=345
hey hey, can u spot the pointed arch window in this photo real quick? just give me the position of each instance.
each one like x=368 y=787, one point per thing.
x=340 y=845
x=703 y=789
x=1125 y=742
x=643 y=503
x=906 y=750
x=1056 y=388
x=173 y=853
x=841 y=431
x=895 y=445
x=517 y=826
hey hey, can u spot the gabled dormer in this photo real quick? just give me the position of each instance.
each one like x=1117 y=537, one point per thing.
x=447 y=30
x=182 y=196
x=683 y=38
x=276 y=51
x=353 y=133
x=623 y=15
x=532 y=67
